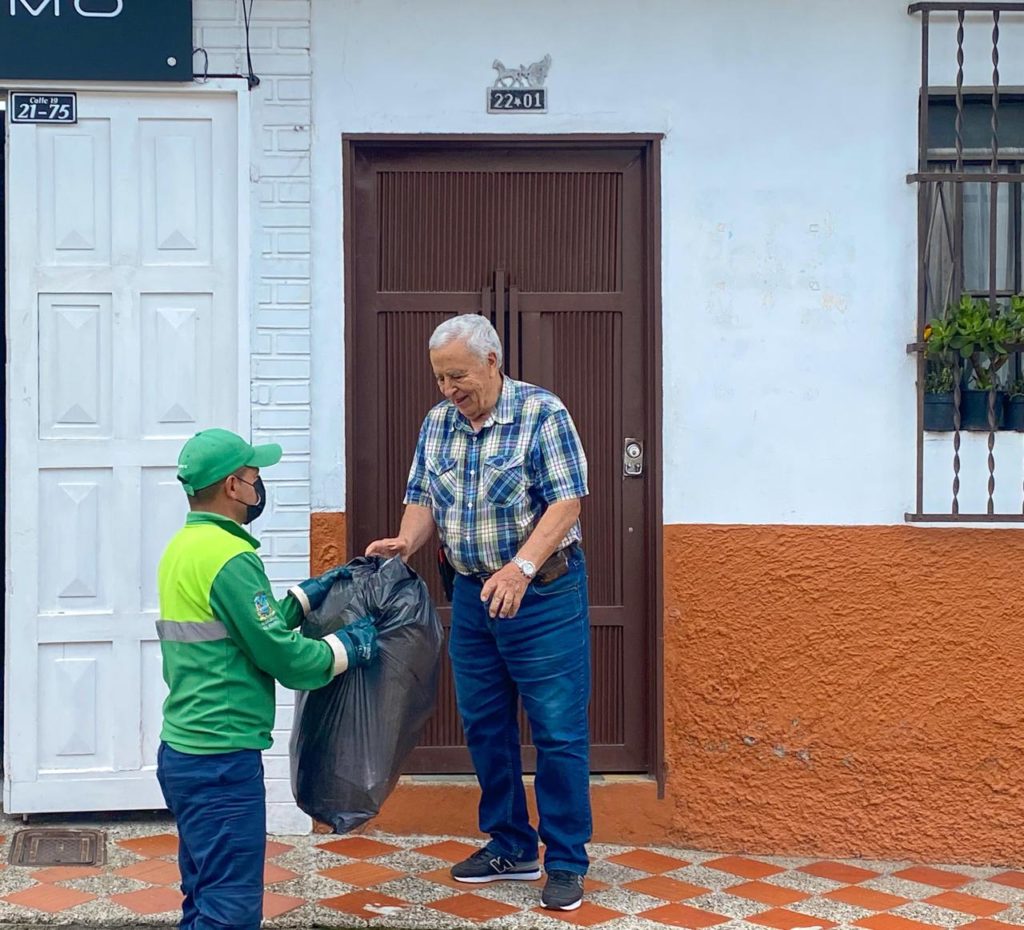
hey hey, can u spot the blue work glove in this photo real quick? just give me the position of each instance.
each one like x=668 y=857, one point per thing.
x=312 y=592
x=360 y=642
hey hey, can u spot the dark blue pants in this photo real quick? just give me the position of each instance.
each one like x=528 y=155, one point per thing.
x=542 y=655
x=219 y=803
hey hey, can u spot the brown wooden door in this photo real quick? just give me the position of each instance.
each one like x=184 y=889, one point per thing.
x=548 y=242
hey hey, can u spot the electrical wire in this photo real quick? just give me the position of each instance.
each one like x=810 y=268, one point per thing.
x=247 y=16
x=251 y=78
x=205 y=76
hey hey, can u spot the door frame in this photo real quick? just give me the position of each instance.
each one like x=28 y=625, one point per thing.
x=107 y=792
x=649 y=145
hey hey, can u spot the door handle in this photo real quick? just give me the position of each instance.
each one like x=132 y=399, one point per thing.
x=632 y=458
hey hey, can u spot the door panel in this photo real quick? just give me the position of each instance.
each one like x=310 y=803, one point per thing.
x=547 y=242
x=75 y=349
x=122 y=311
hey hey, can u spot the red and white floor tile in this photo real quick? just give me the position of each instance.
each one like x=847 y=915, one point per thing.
x=393 y=881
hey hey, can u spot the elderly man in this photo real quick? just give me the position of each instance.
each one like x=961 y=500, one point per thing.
x=499 y=469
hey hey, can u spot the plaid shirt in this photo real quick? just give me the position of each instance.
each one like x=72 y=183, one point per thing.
x=488 y=490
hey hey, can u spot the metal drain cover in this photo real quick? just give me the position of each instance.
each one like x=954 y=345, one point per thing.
x=52 y=846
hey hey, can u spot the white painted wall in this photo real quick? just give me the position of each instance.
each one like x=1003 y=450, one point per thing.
x=789 y=232
x=788 y=236
x=280 y=265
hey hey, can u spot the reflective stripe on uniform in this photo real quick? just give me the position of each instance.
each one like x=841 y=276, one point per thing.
x=202 y=631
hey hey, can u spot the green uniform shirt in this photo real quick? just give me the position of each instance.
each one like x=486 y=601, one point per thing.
x=225 y=638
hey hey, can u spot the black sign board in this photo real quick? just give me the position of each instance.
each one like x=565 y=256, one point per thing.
x=517 y=100
x=96 y=40
x=43 y=108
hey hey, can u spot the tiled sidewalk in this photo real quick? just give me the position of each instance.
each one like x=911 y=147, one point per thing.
x=391 y=881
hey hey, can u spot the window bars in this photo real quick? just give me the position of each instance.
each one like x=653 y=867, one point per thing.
x=973 y=170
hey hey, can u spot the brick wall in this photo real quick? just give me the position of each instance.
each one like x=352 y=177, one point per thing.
x=280 y=325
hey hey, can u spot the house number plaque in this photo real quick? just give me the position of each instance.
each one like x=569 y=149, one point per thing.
x=519 y=90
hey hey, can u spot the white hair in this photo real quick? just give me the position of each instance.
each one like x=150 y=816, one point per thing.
x=476 y=331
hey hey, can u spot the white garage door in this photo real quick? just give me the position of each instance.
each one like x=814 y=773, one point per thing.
x=122 y=325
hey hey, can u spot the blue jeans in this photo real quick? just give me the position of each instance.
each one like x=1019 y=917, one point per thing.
x=219 y=803
x=542 y=655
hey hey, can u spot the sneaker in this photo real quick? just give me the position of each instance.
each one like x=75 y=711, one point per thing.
x=485 y=866
x=563 y=891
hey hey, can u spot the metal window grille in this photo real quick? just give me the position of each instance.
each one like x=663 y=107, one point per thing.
x=969 y=231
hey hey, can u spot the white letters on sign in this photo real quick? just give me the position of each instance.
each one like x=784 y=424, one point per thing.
x=36 y=7
x=35 y=11
x=109 y=14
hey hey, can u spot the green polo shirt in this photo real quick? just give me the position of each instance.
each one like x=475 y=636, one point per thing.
x=225 y=639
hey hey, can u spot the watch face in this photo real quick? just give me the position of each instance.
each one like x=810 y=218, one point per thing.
x=529 y=569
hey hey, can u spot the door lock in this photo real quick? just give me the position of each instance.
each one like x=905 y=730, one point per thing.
x=632 y=458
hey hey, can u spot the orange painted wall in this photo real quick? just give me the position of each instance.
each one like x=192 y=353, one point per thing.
x=845 y=691
x=327 y=543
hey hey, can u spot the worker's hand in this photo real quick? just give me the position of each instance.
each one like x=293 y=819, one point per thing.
x=360 y=641
x=313 y=592
x=388 y=548
x=505 y=590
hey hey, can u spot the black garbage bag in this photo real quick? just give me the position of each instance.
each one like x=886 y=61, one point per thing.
x=351 y=737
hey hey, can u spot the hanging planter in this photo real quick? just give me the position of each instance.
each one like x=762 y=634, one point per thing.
x=974 y=409
x=938 y=399
x=1014 y=418
x=938 y=412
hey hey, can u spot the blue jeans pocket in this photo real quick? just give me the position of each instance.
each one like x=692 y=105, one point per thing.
x=567 y=590
x=562 y=585
x=246 y=766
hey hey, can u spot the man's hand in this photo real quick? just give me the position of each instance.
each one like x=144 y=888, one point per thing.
x=416 y=529
x=505 y=590
x=396 y=545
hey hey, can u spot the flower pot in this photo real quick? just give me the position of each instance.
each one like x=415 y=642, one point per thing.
x=938 y=411
x=974 y=409
x=1014 y=418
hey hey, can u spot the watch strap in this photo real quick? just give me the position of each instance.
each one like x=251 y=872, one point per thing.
x=521 y=564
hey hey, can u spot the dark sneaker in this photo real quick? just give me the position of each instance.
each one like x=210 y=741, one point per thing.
x=563 y=891
x=485 y=866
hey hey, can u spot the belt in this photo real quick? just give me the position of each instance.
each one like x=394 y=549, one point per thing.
x=566 y=552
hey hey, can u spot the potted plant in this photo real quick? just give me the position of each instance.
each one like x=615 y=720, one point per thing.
x=938 y=398
x=980 y=339
x=1014 y=418
x=940 y=376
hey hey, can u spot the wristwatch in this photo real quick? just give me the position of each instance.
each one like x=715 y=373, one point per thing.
x=526 y=567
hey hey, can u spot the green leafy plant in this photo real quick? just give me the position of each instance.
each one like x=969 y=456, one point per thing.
x=939 y=380
x=938 y=338
x=1013 y=313
x=1016 y=388
x=981 y=340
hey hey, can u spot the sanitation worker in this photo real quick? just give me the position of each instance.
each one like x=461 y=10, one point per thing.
x=225 y=639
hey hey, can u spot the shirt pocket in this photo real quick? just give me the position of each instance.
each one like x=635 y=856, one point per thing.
x=504 y=480
x=441 y=477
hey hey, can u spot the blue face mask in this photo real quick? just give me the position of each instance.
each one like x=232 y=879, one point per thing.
x=253 y=511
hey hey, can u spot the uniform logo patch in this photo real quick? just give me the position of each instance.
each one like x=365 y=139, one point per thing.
x=264 y=611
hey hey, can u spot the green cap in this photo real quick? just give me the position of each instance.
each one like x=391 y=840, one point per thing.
x=213 y=454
